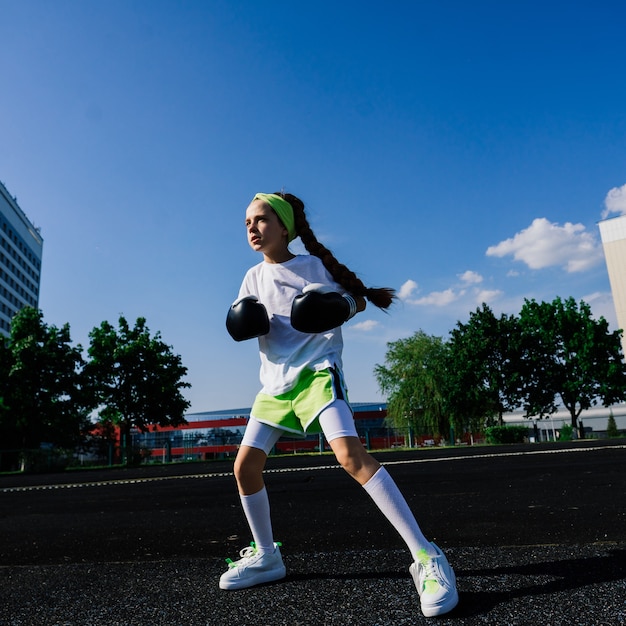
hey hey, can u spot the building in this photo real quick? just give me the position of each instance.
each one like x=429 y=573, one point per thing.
x=214 y=434
x=613 y=234
x=594 y=422
x=21 y=248
x=217 y=434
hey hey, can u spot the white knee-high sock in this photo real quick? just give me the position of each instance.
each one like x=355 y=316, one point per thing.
x=383 y=490
x=256 y=508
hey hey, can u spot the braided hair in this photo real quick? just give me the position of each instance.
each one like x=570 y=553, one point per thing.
x=381 y=297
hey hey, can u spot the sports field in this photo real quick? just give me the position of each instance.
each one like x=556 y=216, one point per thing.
x=536 y=534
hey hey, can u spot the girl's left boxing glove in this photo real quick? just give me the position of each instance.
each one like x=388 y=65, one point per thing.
x=319 y=309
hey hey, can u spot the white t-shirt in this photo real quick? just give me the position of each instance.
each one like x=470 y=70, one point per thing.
x=284 y=351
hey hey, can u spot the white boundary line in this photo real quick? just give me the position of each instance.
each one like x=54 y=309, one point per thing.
x=497 y=454
x=285 y=470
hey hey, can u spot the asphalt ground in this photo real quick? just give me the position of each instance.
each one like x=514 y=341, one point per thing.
x=536 y=535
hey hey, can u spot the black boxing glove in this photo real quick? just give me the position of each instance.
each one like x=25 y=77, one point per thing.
x=319 y=309
x=247 y=318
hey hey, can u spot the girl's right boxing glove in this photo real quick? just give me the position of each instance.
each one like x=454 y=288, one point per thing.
x=246 y=319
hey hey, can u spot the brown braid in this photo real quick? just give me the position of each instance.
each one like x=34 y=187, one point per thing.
x=380 y=297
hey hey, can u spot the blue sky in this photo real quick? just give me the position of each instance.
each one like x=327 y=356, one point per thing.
x=459 y=152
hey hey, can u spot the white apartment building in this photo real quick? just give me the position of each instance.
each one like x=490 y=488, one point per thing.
x=21 y=247
x=613 y=234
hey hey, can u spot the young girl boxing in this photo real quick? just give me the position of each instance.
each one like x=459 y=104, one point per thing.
x=295 y=305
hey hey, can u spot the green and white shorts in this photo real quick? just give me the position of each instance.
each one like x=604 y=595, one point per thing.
x=297 y=410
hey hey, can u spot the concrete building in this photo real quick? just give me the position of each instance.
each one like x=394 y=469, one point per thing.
x=594 y=422
x=613 y=234
x=21 y=247
x=218 y=433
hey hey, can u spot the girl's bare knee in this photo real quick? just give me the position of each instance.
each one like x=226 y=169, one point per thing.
x=248 y=470
x=355 y=459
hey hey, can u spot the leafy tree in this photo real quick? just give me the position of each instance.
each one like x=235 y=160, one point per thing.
x=136 y=378
x=413 y=379
x=569 y=354
x=6 y=362
x=484 y=367
x=611 y=427
x=42 y=385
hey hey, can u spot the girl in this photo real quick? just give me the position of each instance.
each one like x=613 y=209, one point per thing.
x=295 y=305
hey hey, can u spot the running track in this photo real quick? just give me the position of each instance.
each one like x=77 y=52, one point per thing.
x=536 y=533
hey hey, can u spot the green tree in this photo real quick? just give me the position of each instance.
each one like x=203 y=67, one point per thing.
x=568 y=354
x=413 y=379
x=136 y=378
x=611 y=427
x=484 y=367
x=42 y=389
x=6 y=362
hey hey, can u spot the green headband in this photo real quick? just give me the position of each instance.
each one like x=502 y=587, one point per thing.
x=283 y=209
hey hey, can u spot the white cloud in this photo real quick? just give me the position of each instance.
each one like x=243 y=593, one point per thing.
x=545 y=244
x=615 y=201
x=435 y=298
x=464 y=291
x=439 y=298
x=487 y=295
x=471 y=277
x=365 y=326
x=407 y=289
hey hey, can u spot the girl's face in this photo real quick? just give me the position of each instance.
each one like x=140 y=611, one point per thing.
x=266 y=233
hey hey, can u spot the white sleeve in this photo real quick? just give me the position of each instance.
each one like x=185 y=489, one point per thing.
x=248 y=286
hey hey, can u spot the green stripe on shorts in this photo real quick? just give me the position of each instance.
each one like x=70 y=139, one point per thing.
x=297 y=410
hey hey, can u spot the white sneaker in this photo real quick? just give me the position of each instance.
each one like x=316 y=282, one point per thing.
x=435 y=582
x=254 y=568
